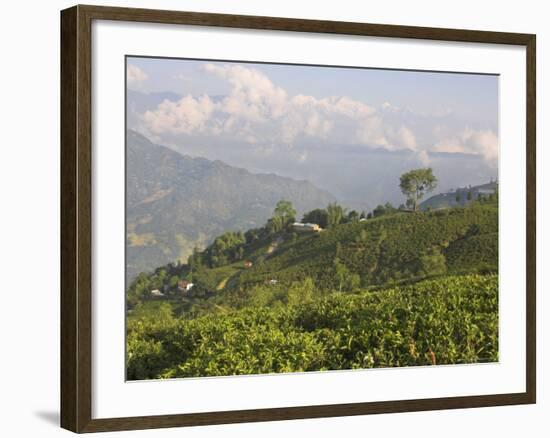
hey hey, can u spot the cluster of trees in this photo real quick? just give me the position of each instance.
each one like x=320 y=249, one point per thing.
x=284 y=215
x=331 y=216
x=232 y=246
x=225 y=249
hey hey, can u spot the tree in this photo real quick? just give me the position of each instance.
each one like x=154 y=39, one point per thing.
x=301 y=292
x=457 y=197
x=335 y=214
x=283 y=215
x=341 y=273
x=353 y=216
x=380 y=210
x=469 y=196
x=225 y=248
x=415 y=183
x=174 y=281
x=285 y=210
x=433 y=263
x=318 y=216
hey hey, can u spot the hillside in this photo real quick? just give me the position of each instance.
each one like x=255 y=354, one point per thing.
x=403 y=289
x=175 y=202
x=449 y=199
x=398 y=247
x=446 y=321
x=392 y=249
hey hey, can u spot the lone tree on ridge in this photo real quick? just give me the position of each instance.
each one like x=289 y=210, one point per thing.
x=415 y=183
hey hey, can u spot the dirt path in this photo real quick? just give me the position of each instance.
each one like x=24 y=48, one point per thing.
x=270 y=249
x=222 y=283
x=274 y=245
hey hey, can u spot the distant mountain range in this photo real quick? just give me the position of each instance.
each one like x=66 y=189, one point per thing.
x=175 y=202
x=449 y=199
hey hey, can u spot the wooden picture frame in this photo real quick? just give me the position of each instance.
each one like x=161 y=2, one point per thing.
x=76 y=217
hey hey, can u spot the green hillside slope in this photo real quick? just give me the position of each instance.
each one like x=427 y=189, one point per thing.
x=397 y=248
x=446 y=321
x=391 y=248
x=176 y=202
x=398 y=290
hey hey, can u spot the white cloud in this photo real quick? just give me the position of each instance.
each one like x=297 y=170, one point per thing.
x=256 y=111
x=406 y=138
x=182 y=117
x=423 y=158
x=470 y=141
x=135 y=76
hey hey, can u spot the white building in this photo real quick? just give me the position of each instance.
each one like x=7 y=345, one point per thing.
x=298 y=226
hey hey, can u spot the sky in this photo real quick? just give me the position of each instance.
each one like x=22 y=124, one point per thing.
x=351 y=131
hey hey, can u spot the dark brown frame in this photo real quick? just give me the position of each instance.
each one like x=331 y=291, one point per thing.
x=76 y=219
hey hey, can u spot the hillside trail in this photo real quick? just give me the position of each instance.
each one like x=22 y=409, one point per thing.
x=270 y=249
x=274 y=245
x=222 y=283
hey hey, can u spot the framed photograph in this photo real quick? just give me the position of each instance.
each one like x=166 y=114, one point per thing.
x=271 y=218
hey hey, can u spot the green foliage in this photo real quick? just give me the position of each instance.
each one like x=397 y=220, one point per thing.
x=415 y=183
x=225 y=249
x=318 y=216
x=382 y=249
x=283 y=216
x=433 y=263
x=474 y=253
x=336 y=214
x=353 y=216
x=340 y=274
x=455 y=318
x=382 y=210
x=389 y=291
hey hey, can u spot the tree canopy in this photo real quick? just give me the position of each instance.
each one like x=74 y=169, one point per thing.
x=318 y=216
x=283 y=215
x=336 y=213
x=415 y=183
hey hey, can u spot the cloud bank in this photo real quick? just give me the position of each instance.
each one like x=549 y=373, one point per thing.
x=257 y=111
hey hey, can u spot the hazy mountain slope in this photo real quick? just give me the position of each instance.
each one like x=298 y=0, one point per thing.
x=449 y=199
x=175 y=202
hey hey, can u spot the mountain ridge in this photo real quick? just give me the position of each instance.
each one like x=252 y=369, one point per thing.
x=176 y=202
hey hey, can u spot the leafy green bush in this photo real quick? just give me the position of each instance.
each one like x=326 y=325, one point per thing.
x=445 y=321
